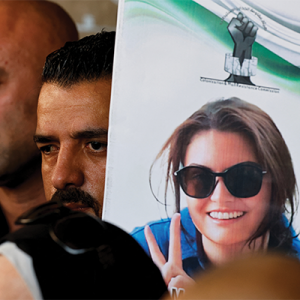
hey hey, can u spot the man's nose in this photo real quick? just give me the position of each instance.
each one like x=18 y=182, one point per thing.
x=67 y=171
x=220 y=192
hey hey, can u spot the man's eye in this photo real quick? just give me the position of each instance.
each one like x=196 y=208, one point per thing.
x=48 y=149
x=97 y=146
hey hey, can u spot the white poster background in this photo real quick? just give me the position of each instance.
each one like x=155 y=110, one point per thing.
x=158 y=64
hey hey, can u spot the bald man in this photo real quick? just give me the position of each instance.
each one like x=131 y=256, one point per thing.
x=29 y=31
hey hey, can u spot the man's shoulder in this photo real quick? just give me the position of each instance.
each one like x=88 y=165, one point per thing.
x=16 y=260
x=12 y=285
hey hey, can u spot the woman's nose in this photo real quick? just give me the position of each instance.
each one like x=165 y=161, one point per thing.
x=220 y=192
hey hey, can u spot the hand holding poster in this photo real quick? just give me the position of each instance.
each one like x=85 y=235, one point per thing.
x=228 y=169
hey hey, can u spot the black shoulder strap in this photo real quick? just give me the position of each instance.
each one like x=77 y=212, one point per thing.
x=4 y=229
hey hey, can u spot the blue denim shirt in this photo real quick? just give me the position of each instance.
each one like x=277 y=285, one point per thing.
x=192 y=262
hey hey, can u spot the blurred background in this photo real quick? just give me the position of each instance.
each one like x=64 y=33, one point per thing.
x=91 y=15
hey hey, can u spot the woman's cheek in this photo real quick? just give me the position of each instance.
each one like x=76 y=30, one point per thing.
x=197 y=211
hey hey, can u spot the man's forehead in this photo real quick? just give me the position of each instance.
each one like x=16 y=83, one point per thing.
x=96 y=93
x=73 y=108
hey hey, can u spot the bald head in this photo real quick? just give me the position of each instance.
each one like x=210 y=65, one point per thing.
x=29 y=31
x=35 y=27
x=39 y=13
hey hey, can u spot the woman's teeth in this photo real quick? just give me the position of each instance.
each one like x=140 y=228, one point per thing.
x=226 y=215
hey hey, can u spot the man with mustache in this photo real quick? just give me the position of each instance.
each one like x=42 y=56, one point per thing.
x=79 y=261
x=72 y=127
x=72 y=124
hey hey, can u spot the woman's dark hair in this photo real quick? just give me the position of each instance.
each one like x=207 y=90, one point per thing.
x=238 y=116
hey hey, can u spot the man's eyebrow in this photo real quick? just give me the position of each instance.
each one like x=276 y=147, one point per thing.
x=43 y=139
x=89 y=134
x=84 y=134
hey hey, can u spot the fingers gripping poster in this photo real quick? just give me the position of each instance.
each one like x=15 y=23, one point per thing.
x=204 y=130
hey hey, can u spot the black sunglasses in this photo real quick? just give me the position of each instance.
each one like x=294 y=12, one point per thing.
x=242 y=180
x=74 y=231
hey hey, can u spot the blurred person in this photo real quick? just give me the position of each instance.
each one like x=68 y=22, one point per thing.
x=29 y=31
x=64 y=250
x=269 y=276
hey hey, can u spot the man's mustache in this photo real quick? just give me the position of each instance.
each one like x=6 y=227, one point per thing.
x=75 y=195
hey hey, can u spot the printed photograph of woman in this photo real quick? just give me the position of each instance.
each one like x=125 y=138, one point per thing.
x=232 y=165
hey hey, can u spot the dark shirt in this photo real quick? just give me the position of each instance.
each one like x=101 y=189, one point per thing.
x=4 y=229
x=118 y=269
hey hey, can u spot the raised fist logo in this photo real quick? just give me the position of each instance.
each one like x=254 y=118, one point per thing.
x=240 y=64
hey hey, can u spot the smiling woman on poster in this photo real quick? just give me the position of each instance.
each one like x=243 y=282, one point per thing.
x=236 y=172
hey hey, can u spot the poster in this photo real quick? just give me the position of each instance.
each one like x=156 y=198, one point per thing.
x=174 y=56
